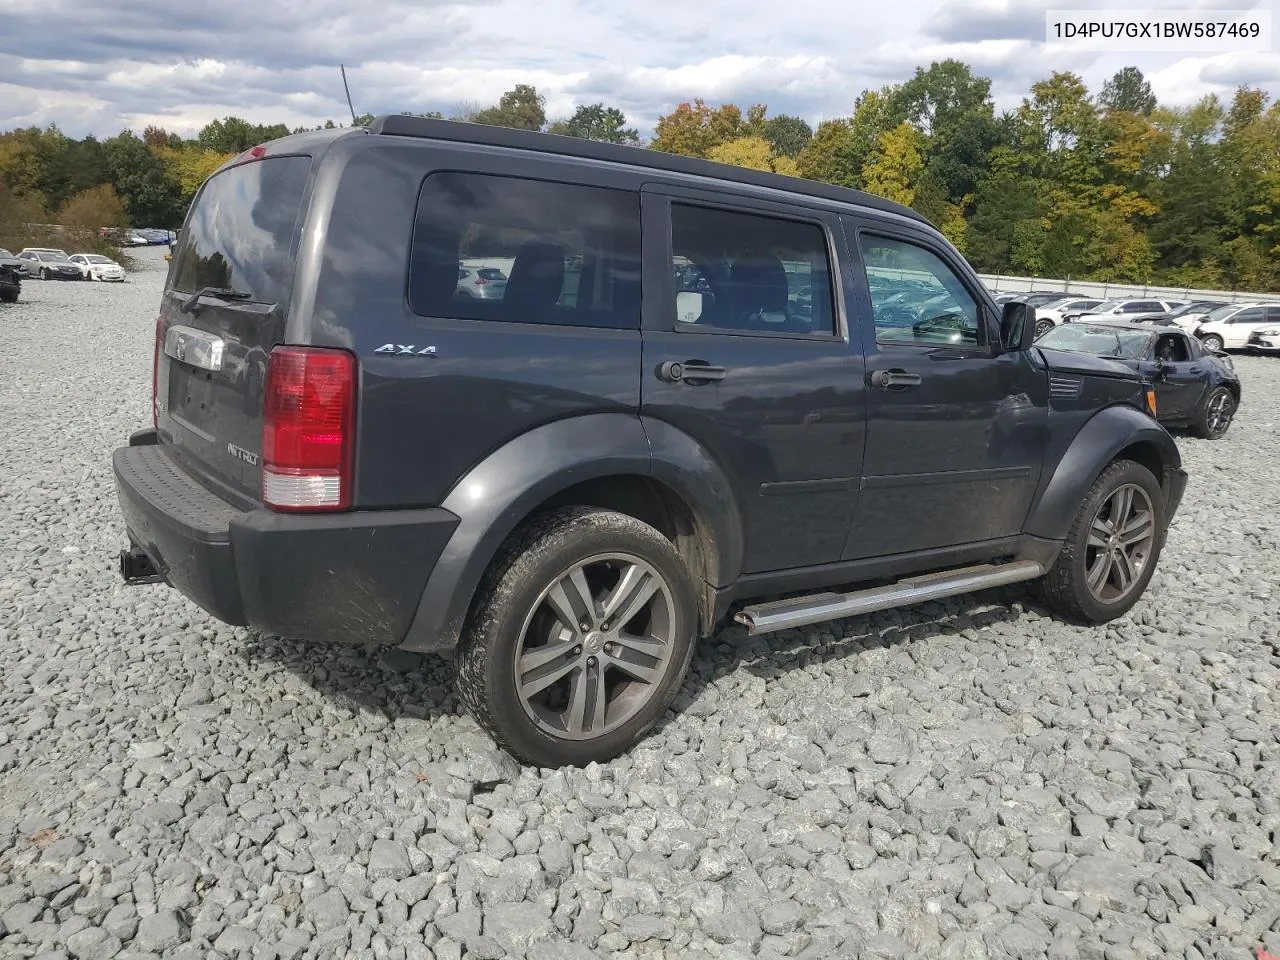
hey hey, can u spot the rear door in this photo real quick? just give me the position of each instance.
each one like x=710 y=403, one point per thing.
x=747 y=350
x=226 y=299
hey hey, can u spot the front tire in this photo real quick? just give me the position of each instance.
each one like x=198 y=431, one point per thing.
x=1212 y=341
x=1112 y=548
x=579 y=638
x=1213 y=418
x=44 y=274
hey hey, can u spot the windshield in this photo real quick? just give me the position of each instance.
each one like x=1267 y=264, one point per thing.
x=98 y=258
x=1098 y=340
x=1222 y=312
x=52 y=256
x=241 y=231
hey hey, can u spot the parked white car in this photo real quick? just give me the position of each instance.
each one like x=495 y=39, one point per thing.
x=1125 y=310
x=94 y=266
x=1050 y=314
x=1229 y=327
x=1266 y=339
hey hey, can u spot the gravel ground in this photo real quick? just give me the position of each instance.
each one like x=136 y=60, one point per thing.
x=959 y=780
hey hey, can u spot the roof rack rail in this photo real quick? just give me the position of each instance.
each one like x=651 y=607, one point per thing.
x=461 y=131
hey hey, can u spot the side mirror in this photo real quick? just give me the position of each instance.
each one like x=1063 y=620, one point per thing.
x=1017 y=327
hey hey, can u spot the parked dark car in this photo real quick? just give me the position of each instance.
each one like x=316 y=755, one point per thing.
x=11 y=274
x=49 y=264
x=572 y=484
x=1195 y=387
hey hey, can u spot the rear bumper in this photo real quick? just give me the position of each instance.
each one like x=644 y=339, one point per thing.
x=351 y=577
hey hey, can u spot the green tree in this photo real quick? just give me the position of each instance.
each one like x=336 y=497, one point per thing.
x=235 y=135
x=787 y=135
x=1128 y=91
x=521 y=107
x=150 y=196
x=834 y=155
x=595 y=121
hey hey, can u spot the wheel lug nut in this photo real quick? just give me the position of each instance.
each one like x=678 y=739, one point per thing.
x=591 y=661
x=584 y=625
x=578 y=648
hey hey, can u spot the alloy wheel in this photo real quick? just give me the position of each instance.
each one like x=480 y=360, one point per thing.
x=1120 y=545
x=1221 y=408
x=595 y=646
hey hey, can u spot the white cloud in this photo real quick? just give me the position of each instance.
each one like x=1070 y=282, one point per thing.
x=143 y=61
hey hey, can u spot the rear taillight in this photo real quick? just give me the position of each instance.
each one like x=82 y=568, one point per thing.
x=308 y=429
x=155 y=374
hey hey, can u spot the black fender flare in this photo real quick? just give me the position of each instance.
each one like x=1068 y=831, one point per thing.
x=1103 y=437
x=499 y=492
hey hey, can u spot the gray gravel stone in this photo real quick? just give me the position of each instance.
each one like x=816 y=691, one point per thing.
x=93 y=943
x=388 y=860
x=160 y=931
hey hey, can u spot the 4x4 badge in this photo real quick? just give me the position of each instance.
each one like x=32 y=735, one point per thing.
x=411 y=349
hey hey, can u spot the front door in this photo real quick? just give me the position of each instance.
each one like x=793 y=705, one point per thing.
x=955 y=432
x=747 y=351
x=1177 y=369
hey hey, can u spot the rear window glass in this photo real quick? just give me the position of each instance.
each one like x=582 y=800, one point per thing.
x=541 y=252
x=242 y=229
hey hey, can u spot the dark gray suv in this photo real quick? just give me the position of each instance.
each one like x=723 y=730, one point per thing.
x=691 y=399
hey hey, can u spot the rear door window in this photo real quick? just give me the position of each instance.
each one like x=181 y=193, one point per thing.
x=542 y=252
x=242 y=231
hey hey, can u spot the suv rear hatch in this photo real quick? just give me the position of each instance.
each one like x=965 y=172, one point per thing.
x=225 y=306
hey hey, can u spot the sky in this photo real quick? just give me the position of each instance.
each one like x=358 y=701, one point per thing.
x=95 y=68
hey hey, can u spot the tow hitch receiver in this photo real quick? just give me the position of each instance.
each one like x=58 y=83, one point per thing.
x=136 y=568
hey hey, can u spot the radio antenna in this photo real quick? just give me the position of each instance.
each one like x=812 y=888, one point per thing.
x=348 y=90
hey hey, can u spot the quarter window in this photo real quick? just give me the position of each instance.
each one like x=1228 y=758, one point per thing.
x=916 y=297
x=747 y=273
x=526 y=251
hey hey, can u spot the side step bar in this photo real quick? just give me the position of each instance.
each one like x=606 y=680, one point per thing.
x=820 y=607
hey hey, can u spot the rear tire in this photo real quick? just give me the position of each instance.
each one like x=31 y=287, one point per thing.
x=568 y=565
x=1112 y=548
x=1213 y=417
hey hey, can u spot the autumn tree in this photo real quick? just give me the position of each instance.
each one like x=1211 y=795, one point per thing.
x=695 y=129
x=895 y=164
x=595 y=121
x=754 y=153
x=521 y=108
x=94 y=208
